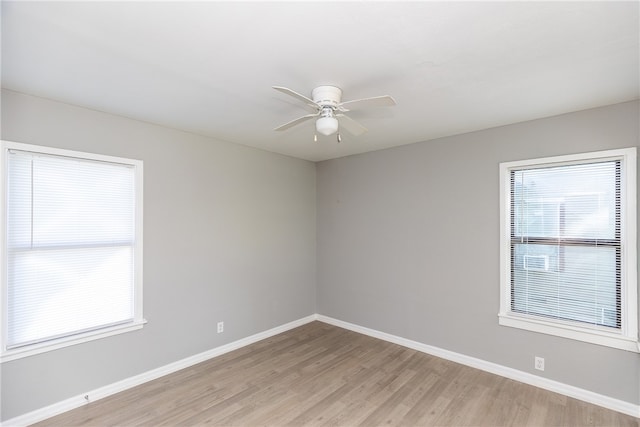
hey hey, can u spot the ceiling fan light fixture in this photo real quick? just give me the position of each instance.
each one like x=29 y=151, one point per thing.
x=327 y=125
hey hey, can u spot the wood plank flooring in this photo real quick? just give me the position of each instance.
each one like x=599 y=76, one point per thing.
x=322 y=375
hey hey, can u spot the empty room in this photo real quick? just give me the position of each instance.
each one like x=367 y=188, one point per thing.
x=298 y=213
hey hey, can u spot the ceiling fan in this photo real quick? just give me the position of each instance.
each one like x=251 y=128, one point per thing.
x=329 y=111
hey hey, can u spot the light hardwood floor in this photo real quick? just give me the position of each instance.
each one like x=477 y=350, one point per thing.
x=322 y=375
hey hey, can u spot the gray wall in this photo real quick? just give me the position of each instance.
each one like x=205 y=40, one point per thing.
x=229 y=234
x=408 y=244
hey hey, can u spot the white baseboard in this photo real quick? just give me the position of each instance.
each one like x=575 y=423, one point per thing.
x=108 y=390
x=514 y=374
x=524 y=377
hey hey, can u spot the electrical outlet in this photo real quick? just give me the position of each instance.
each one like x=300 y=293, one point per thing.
x=220 y=327
x=539 y=363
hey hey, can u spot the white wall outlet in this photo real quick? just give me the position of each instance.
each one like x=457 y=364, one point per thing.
x=221 y=328
x=539 y=363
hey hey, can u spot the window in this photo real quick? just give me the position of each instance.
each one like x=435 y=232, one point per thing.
x=72 y=248
x=568 y=247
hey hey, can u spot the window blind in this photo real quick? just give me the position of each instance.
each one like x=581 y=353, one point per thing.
x=566 y=244
x=70 y=244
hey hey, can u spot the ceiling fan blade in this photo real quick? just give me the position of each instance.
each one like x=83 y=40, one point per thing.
x=376 y=101
x=296 y=95
x=350 y=125
x=296 y=121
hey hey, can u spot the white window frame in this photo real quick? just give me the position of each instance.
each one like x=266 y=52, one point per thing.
x=73 y=339
x=627 y=337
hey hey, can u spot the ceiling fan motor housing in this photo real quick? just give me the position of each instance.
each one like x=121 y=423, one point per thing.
x=327 y=96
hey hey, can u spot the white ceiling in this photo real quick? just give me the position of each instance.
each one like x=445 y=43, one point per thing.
x=208 y=67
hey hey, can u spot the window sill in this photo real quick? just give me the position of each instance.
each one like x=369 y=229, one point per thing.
x=600 y=337
x=44 y=347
